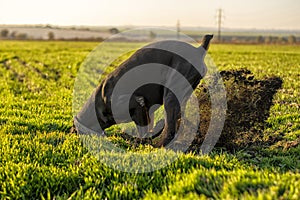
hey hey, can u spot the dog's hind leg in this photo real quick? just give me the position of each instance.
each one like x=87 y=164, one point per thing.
x=172 y=117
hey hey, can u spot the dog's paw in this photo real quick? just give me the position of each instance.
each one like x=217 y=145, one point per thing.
x=162 y=140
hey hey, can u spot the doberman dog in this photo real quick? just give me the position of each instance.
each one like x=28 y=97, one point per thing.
x=148 y=98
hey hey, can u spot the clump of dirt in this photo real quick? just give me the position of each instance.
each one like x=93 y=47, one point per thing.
x=248 y=105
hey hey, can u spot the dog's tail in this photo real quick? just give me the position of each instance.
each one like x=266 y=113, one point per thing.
x=206 y=40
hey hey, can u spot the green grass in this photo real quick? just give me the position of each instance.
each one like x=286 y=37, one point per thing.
x=40 y=159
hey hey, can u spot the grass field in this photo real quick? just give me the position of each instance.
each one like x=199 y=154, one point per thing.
x=40 y=159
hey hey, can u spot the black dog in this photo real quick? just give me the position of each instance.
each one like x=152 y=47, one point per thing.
x=97 y=113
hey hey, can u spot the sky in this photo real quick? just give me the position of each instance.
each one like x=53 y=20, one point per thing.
x=258 y=14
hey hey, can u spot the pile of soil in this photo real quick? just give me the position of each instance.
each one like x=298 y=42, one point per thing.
x=248 y=105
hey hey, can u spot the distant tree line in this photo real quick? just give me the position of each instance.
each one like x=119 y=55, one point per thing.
x=5 y=34
x=292 y=39
x=261 y=39
x=277 y=40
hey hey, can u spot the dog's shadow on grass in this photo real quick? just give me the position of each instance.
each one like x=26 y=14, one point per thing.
x=248 y=107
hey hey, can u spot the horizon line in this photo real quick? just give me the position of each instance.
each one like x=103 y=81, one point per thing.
x=135 y=26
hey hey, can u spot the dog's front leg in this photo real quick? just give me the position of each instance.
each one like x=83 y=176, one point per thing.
x=172 y=117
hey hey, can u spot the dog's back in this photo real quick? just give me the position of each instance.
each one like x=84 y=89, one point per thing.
x=158 y=53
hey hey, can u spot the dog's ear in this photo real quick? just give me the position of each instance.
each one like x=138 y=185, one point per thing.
x=140 y=100
x=206 y=40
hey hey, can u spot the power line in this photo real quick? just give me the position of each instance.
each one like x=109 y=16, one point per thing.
x=220 y=20
x=178 y=29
